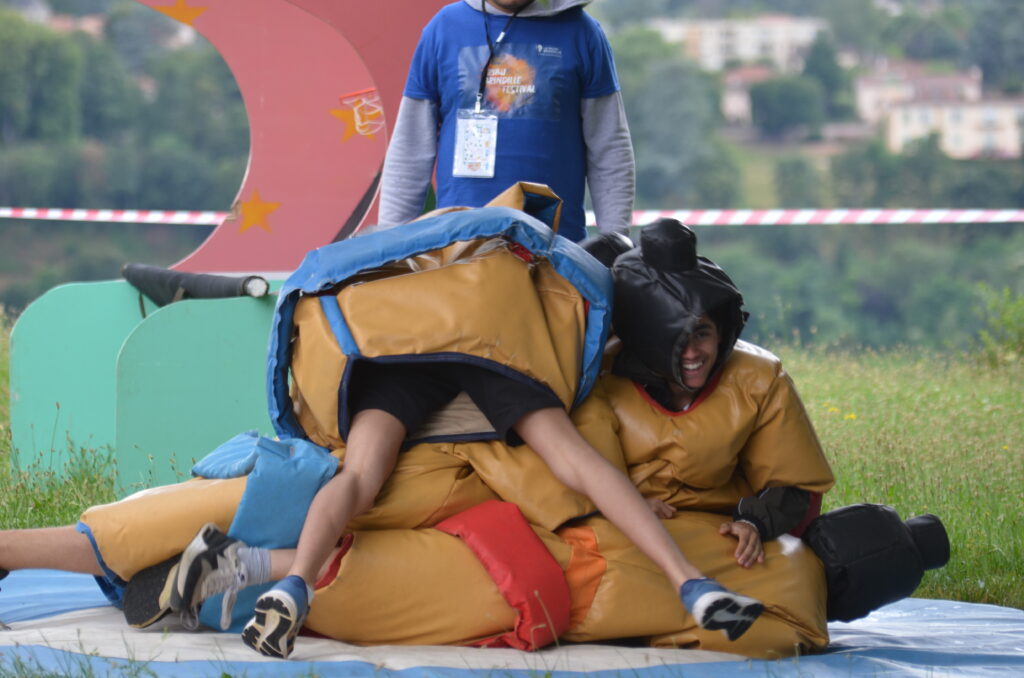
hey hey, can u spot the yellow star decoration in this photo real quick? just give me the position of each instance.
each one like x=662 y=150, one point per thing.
x=181 y=11
x=346 y=116
x=255 y=212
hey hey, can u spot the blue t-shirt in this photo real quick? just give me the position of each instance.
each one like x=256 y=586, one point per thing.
x=541 y=70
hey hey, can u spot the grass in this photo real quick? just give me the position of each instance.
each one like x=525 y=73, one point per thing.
x=758 y=176
x=757 y=162
x=940 y=434
x=5 y=380
x=34 y=497
x=923 y=433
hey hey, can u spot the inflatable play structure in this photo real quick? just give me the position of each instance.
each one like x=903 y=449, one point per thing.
x=472 y=543
x=99 y=366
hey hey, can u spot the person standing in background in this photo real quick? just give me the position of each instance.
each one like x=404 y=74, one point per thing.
x=501 y=91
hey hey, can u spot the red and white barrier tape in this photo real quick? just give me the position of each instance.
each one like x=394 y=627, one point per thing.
x=114 y=216
x=640 y=217
x=827 y=216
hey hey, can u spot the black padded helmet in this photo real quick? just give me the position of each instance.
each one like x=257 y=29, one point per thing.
x=662 y=288
x=606 y=247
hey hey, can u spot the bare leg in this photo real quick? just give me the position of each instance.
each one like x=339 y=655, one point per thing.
x=54 y=548
x=551 y=434
x=281 y=561
x=372 y=450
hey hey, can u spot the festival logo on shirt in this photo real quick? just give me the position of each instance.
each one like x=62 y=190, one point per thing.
x=524 y=80
x=511 y=83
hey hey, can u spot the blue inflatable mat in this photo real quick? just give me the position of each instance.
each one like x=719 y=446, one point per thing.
x=61 y=623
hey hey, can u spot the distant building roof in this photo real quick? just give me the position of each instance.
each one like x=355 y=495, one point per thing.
x=744 y=76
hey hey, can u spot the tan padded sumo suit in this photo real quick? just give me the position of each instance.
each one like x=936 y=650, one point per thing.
x=437 y=561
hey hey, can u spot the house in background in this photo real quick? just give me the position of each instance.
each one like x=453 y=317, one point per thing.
x=911 y=100
x=736 y=84
x=775 y=39
x=989 y=127
x=894 y=83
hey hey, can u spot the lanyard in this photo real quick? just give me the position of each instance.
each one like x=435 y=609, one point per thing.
x=492 y=47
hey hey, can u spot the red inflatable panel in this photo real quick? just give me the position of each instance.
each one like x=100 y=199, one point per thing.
x=527 y=575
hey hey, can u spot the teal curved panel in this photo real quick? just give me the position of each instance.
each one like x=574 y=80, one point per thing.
x=187 y=379
x=63 y=350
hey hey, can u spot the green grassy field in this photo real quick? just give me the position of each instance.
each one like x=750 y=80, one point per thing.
x=757 y=165
x=940 y=434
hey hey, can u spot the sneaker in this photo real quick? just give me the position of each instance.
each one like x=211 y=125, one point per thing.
x=147 y=594
x=716 y=608
x=209 y=565
x=280 y=613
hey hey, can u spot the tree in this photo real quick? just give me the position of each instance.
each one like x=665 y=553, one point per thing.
x=797 y=183
x=15 y=46
x=716 y=177
x=822 y=66
x=865 y=175
x=617 y=14
x=856 y=24
x=110 y=99
x=80 y=7
x=785 y=105
x=925 y=174
x=636 y=49
x=995 y=43
x=931 y=38
x=672 y=114
x=198 y=102
x=137 y=33
x=55 y=71
x=993 y=184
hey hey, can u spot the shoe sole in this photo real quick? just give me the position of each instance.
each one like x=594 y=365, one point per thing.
x=273 y=628
x=147 y=595
x=731 y=616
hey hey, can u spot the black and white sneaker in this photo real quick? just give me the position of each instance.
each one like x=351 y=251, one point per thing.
x=280 y=613
x=209 y=565
x=147 y=593
x=716 y=608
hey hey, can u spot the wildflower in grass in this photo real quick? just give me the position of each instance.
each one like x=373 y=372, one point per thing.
x=833 y=410
x=850 y=416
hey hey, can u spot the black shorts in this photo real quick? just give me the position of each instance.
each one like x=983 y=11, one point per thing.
x=413 y=391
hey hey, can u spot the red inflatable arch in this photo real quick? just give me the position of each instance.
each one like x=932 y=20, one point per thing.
x=321 y=81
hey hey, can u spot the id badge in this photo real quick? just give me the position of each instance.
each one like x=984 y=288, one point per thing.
x=476 y=142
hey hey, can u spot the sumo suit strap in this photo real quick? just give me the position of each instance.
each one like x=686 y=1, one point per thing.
x=529 y=578
x=813 y=511
x=537 y=200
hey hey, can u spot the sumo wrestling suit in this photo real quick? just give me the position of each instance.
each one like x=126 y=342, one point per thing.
x=473 y=541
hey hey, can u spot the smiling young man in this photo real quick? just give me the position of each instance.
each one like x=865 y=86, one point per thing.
x=512 y=90
x=696 y=361
x=683 y=371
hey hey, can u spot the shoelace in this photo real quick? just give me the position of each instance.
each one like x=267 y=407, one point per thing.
x=229 y=577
